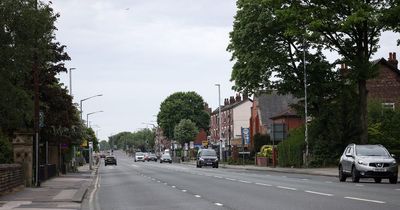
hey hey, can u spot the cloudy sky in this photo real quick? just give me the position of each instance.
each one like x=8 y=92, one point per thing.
x=138 y=52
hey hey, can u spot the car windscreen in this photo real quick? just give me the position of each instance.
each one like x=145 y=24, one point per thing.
x=166 y=156
x=370 y=150
x=208 y=153
x=139 y=154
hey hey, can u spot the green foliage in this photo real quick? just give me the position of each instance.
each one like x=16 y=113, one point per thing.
x=185 y=131
x=142 y=140
x=104 y=145
x=5 y=149
x=290 y=151
x=182 y=105
x=260 y=140
x=384 y=126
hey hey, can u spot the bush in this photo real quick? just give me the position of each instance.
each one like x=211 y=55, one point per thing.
x=290 y=151
x=5 y=149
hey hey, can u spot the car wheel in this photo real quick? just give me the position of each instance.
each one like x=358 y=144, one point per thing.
x=216 y=166
x=199 y=165
x=378 y=180
x=342 y=176
x=354 y=175
x=393 y=180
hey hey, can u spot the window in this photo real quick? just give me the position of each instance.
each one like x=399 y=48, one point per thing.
x=388 y=106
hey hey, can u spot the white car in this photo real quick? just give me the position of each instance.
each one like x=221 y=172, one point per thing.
x=139 y=156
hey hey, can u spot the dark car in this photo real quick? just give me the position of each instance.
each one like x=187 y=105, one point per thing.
x=207 y=157
x=367 y=161
x=110 y=160
x=165 y=158
x=151 y=157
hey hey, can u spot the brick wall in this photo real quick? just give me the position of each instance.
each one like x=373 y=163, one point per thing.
x=11 y=177
x=385 y=87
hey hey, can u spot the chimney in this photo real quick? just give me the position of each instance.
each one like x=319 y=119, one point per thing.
x=232 y=100
x=392 y=59
x=226 y=101
x=238 y=97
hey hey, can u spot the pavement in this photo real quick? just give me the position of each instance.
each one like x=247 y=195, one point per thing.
x=61 y=192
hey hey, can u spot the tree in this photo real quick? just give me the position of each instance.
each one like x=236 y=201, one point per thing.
x=185 y=131
x=268 y=37
x=182 y=105
x=104 y=145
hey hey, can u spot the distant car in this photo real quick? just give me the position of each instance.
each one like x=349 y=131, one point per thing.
x=110 y=160
x=165 y=158
x=102 y=155
x=151 y=157
x=207 y=157
x=367 y=161
x=139 y=156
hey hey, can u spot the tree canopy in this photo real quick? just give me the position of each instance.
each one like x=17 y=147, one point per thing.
x=182 y=105
x=185 y=131
x=142 y=140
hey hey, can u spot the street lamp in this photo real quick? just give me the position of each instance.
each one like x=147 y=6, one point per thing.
x=90 y=143
x=305 y=102
x=87 y=99
x=219 y=121
x=70 y=80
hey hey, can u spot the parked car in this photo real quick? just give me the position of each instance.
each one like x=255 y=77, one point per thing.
x=139 y=156
x=110 y=160
x=367 y=161
x=152 y=157
x=165 y=158
x=207 y=157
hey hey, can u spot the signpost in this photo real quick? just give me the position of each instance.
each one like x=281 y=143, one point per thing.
x=245 y=139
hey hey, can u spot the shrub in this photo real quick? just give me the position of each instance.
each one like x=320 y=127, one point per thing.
x=5 y=149
x=290 y=150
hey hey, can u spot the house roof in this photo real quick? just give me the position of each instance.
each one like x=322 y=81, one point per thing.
x=271 y=104
x=290 y=112
x=385 y=62
x=231 y=106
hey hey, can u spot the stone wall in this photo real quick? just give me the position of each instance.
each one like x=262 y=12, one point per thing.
x=11 y=177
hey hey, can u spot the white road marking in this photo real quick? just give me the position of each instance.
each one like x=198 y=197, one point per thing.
x=230 y=179
x=263 y=184
x=135 y=165
x=318 y=193
x=219 y=204
x=218 y=177
x=359 y=185
x=173 y=186
x=197 y=196
x=184 y=190
x=397 y=189
x=165 y=183
x=304 y=179
x=367 y=200
x=96 y=186
x=286 y=188
x=243 y=181
x=158 y=181
x=284 y=176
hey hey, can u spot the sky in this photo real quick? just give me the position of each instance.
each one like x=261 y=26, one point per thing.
x=138 y=52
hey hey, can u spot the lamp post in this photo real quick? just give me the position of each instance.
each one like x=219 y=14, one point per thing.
x=87 y=99
x=70 y=80
x=90 y=143
x=305 y=102
x=219 y=121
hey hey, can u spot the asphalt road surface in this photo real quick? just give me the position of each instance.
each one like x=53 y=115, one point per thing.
x=151 y=185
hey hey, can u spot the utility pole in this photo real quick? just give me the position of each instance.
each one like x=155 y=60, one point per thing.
x=36 y=107
x=305 y=102
x=219 y=121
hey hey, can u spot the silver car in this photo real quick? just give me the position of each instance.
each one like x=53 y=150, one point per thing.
x=367 y=161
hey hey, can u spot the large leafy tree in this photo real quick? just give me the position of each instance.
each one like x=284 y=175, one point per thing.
x=182 y=105
x=268 y=37
x=185 y=131
x=142 y=140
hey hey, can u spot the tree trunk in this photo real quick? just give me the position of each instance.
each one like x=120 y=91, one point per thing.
x=363 y=93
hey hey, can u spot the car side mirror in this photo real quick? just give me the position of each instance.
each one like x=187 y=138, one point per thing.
x=348 y=155
x=393 y=155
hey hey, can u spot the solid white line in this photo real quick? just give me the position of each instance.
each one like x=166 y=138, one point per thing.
x=93 y=194
x=219 y=204
x=263 y=184
x=362 y=199
x=197 y=196
x=243 y=181
x=318 y=193
x=286 y=188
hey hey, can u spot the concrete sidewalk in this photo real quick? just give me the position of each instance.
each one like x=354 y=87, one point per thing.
x=61 y=192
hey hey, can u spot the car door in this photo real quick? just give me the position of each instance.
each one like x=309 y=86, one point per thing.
x=349 y=158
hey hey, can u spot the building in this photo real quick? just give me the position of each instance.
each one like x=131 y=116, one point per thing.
x=265 y=108
x=235 y=114
x=386 y=86
x=283 y=123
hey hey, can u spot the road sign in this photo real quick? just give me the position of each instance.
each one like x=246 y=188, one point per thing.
x=91 y=144
x=245 y=136
x=191 y=145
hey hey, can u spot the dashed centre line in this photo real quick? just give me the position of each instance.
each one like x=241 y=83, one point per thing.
x=367 y=200
x=219 y=204
x=263 y=184
x=197 y=196
x=230 y=179
x=318 y=193
x=286 y=188
x=243 y=181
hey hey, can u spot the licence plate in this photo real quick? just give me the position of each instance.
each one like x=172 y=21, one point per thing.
x=380 y=169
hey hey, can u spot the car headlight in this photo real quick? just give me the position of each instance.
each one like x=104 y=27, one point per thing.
x=362 y=162
x=393 y=162
x=201 y=159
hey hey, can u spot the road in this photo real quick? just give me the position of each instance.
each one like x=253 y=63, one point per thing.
x=151 y=185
